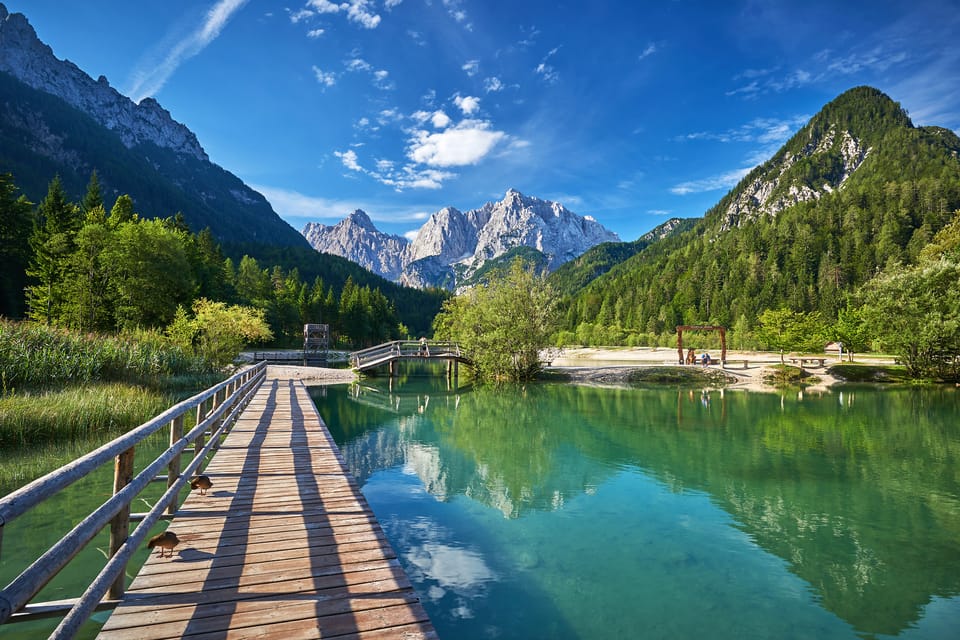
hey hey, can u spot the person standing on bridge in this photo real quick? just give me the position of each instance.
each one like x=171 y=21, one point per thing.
x=423 y=348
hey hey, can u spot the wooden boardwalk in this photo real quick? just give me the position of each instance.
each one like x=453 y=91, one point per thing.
x=283 y=546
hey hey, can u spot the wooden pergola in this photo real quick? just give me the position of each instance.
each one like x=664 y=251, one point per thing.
x=702 y=327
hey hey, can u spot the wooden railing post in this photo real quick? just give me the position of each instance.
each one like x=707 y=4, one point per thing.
x=120 y=525
x=202 y=438
x=173 y=469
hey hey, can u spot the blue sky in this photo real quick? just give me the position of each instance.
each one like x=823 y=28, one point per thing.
x=631 y=111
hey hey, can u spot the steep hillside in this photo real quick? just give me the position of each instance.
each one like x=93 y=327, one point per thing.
x=858 y=188
x=55 y=119
x=573 y=276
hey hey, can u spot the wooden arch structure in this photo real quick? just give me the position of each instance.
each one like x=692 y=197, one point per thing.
x=702 y=327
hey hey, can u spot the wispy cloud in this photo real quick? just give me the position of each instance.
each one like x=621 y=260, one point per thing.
x=762 y=130
x=457 y=12
x=148 y=82
x=648 y=51
x=492 y=85
x=712 y=183
x=547 y=71
x=825 y=65
x=380 y=76
x=293 y=205
x=326 y=79
x=471 y=67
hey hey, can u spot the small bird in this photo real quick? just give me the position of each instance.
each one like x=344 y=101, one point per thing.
x=201 y=482
x=165 y=540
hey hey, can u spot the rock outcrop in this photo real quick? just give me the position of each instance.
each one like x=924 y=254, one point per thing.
x=26 y=58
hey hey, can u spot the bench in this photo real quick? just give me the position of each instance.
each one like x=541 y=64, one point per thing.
x=727 y=363
x=808 y=361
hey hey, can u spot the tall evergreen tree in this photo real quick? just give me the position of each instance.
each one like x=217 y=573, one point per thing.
x=93 y=197
x=15 y=228
x=52 y=241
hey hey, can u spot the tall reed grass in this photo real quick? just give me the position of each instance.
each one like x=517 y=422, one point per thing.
x=66 y=393
x=91 y=411
x=35 y=356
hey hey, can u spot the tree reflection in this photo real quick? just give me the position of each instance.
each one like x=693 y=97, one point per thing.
x=858 y=491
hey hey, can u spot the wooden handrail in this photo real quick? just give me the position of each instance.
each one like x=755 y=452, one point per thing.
x=228 y=399
x=405 y=348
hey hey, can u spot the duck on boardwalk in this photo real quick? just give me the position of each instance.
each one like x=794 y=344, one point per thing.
x=201 y=482
x=165 y=540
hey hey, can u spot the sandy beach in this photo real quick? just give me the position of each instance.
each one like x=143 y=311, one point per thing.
x=612 y=365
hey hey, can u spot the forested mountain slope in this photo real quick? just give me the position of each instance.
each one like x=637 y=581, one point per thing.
x=574 y=275
x=855 y=190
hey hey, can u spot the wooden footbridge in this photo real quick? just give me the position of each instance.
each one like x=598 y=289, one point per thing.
x=390 y=353
x=282 y=546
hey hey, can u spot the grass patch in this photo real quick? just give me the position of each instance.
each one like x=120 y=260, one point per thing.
x=784 y=375
x=77 y=413
x=852 y=372
x=682 y=376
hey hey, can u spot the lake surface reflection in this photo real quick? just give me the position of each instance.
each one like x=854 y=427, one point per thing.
x=579 y=512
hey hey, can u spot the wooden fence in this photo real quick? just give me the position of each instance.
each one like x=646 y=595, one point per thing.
x=216 y=408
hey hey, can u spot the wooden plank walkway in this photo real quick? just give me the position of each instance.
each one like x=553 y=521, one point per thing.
x=283 y=546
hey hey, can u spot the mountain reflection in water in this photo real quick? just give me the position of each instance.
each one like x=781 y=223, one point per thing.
x=857 y=492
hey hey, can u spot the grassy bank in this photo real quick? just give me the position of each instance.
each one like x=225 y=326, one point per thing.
x=64 y=394
x=35 y=356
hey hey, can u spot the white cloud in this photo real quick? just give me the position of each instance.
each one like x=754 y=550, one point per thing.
x=148 y=82
x=469 y=105
x=315 y=33
x=380 y=79
x=357 y=64
x=492 y=85
x=472 y=67
x=417 y=38
x=440 y=120
x=304 y=208
x=357 y=11
x=324 y=6
x=297 y=205
x=411 y=235
x=466 y=143
x=659 y=212
x=390 y=4
x=327 y=79
x=712 y=183
x=302 y=14
x=457 y=13
x=649 y=51
x=349 y=159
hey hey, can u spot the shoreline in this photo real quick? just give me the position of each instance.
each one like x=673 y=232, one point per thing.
x=612 y=366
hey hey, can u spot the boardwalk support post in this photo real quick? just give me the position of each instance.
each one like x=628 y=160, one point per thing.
x=120 y=525
x=173 y=470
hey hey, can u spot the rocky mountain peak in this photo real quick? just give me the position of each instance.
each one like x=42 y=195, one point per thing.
x=29 y=60
x=451 y=238
x=360 y=218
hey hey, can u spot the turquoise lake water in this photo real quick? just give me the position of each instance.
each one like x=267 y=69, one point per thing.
x=562 y=511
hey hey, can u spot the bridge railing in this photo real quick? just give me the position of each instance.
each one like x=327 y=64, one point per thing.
x=404 y=349
x=217 y=409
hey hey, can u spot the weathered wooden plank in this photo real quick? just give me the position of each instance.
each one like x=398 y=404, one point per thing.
x=283 y=545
